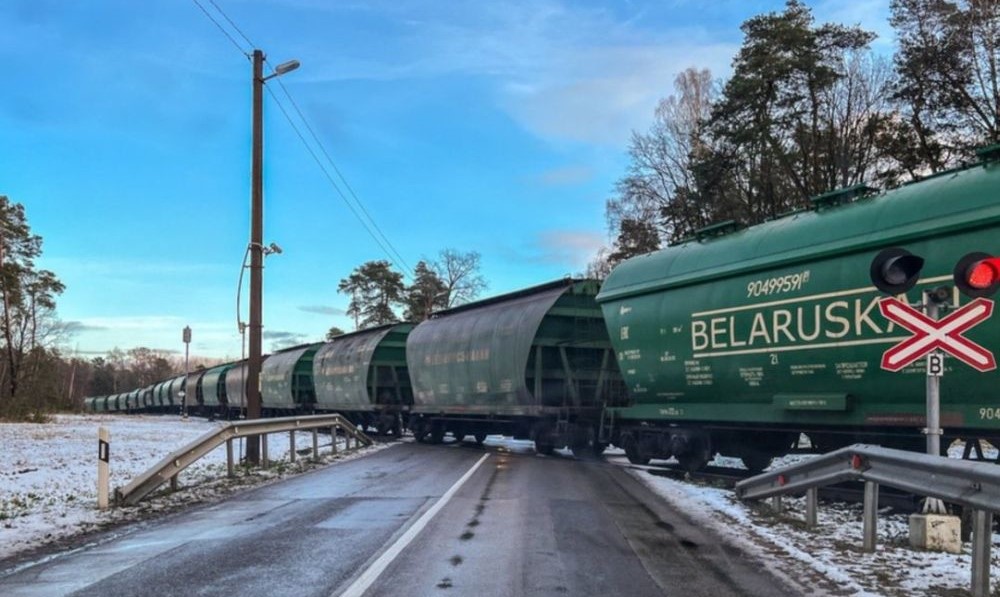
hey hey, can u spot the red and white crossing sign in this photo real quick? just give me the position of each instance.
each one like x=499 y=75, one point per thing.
x=945 y=333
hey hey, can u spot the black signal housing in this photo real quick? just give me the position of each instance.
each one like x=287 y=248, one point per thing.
x=895 y=270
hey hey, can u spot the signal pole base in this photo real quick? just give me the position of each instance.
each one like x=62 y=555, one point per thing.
x=936 y=532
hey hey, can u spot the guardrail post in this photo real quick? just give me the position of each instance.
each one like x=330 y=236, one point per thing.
x=291 y=445
x=315 y=443
x=812 y=499
x=229 y=458
x=333 y=438
x=173 y=483
x=982 y=536
x=871 y=516
x=263 y=446
x=776 y=506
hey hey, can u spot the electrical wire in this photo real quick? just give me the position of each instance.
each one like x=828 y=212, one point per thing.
x=340 y=175
x=366 y=220
x=233 y=24
x=239 y=290
x=221 y=28
x=389 y=252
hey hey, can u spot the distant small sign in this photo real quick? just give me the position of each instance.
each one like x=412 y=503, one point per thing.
x=935 y=364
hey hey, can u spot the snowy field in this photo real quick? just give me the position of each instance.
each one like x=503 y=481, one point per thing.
x=48 y=478
x=48 y=495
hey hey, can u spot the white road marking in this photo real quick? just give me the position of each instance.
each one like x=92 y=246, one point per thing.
x=375 y=570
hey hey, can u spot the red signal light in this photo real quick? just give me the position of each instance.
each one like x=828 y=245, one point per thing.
x=983 y=274
x=978 y=274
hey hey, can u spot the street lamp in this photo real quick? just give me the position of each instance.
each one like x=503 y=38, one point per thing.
x=256 y=243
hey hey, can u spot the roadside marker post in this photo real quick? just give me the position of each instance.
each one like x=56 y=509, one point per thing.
x=103 y=474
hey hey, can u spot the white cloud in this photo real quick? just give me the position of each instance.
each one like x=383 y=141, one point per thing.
x=565 y=176
x=322 y=310
x=572 y=248
x=162 y=332
x=563 y=72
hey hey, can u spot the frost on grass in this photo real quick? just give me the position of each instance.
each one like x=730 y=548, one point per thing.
x=828 y=559
x=48 y=479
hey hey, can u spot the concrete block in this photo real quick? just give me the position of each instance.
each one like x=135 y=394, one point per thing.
x=936 y=532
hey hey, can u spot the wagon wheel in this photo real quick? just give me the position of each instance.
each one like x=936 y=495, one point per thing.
x=582 y=442
x=418 y=429
x=541 y=434
x=543 y=448
x=756 y=460
x=697 y=457
x=632 y=450
x=480 y=437
x=437 y=433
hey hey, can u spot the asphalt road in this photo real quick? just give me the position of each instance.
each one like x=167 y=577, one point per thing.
x=416 y=520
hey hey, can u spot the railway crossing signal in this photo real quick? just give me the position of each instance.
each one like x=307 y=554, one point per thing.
x=930 y=334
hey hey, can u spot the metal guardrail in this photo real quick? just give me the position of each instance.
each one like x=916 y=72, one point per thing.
x=970 y=484
x=171 y=465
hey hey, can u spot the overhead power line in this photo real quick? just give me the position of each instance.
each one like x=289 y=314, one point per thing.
x=343 y=180
x=386 y=246
x=350 y=199
x=221 y=28
x=233 y=24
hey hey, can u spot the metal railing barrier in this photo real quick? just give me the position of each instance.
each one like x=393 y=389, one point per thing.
x=171 y=465
x=974 y=485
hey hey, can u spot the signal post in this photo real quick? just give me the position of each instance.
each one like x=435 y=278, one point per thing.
x=895 y=271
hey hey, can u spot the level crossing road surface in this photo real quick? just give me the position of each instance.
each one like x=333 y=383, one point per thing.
x=415 y=520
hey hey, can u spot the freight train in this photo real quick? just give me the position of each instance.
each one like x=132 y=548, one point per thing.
x=735 y=341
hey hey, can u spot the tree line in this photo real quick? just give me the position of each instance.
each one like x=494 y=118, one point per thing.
x=378 y=293
x=36 y=377
x=809 y=108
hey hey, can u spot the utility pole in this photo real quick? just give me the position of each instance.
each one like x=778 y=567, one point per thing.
x=256 y=254
x=186 y=336
x=257 y=244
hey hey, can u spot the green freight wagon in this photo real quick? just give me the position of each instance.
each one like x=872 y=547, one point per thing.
x=533 y=364
x=173 y=394
x=160 y=402
x=192 y=391
x=133 y=401
x=738 y=340
x=212 y=390
x=236 y=389
x=363 y=375
x=147 y=399
x=286 y=384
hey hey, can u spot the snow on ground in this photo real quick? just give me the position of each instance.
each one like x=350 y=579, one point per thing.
x=48 y=477
x=828 y=559
x=48 y=493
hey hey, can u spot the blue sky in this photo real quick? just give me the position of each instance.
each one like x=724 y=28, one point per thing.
x=492 y=126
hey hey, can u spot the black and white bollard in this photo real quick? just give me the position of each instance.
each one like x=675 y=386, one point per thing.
x=103 y=474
